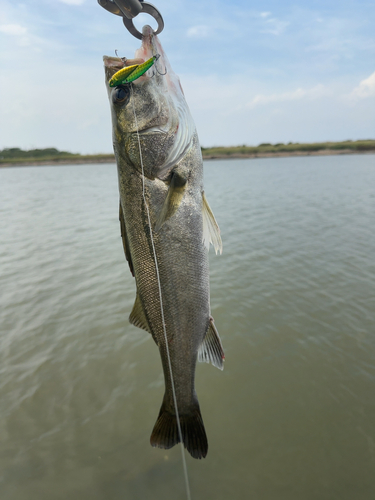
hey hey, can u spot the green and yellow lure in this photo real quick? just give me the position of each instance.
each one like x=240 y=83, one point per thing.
x=131 y=73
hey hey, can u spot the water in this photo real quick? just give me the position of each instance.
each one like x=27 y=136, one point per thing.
x=293 y=295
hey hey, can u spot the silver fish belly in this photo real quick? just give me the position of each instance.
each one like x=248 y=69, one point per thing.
x=166 y=226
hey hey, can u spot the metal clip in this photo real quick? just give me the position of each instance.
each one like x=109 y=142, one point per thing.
x=147 y=8
x=128 y=9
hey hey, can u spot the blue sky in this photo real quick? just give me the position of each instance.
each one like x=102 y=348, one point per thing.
x=252 y=72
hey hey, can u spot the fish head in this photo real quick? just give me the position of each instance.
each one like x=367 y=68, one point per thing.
x=151 y=120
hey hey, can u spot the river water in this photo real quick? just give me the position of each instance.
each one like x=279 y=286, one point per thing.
x=291 y=417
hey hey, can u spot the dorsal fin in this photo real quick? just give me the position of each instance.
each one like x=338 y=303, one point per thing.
x=173 y=199
x=211 y=231
x=211 y=349
x=138 y=317
x=125 y=240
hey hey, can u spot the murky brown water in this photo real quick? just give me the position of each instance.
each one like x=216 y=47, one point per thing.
x=293 y=295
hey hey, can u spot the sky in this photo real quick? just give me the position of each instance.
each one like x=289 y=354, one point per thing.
x=252 y=71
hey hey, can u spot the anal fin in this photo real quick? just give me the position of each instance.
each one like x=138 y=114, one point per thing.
x=211 y=231
x=211 y=349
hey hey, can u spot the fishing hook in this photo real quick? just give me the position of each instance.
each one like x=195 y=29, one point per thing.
x=123 y=59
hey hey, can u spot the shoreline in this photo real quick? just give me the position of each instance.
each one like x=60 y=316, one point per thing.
x=322 y=152
x=110 y=159
x=56 y=162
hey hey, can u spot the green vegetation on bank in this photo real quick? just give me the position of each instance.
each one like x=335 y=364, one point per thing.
x=266 y=148
x=33 y=154
x=17 y=156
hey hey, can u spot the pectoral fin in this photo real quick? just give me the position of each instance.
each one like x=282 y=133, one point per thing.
x=211 y=231
x=125 y=240
x=211 y=349
x=173 y=199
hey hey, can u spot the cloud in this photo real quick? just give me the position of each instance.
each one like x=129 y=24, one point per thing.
x=18 y=31
x=13 y=29
x=200 y=31
x=366 y=88
x=313 y=93
x=274 y=26
x=265 y=14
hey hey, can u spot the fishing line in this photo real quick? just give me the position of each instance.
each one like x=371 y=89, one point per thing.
x=161 y=305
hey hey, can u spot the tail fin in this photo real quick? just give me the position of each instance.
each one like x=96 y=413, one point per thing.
x=165 y=433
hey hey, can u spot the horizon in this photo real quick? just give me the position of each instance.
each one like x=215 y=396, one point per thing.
x=301 y=72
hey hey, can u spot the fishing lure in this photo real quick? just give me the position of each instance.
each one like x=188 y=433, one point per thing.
x=131 y=73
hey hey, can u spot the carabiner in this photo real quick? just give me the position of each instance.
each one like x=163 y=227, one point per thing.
x=147 y=8
x=128 y=9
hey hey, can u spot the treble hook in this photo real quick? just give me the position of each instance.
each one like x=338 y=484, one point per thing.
x=123 y=59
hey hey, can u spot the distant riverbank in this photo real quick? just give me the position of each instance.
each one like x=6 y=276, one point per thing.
x=267 y=150
x=17 y=157
x=325 y=152
x=72 y=160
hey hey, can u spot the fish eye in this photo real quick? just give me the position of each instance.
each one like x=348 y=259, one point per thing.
x=120 y=94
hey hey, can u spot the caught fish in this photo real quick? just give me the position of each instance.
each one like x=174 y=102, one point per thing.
x=166 y=227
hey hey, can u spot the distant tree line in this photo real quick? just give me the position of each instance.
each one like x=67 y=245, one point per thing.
x=292 y=147
x=12 y=153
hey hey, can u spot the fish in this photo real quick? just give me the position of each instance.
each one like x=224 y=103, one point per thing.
x=166 y=226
